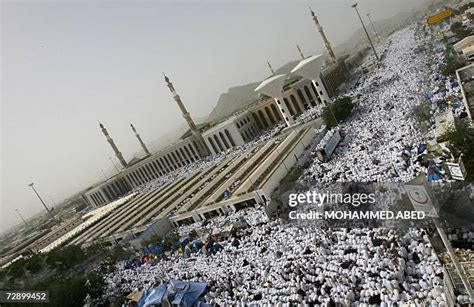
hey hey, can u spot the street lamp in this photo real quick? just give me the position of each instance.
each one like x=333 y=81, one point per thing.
x=373 y=27
x=366 y=33
x=112 y=160
x=21 y=217
x=44 y=205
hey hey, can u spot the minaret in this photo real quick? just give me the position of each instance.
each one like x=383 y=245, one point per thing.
x=301 y=52
x=140 y=140
x=199 y=140
x=118 y=154
x=327 y=45
x=271 y=68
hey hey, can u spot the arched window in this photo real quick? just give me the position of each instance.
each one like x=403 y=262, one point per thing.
x=192 y=149
x=144 y=177
x=295 y=104
x=108 y=193
x=150 y=171
x=288 y=105
x=231 y=140
x=224 y=141
x=262 y=118
x=113 y=190
x=212 y=144
x=164 y=164
x=275 y=112
x=170 y=162
x=158 y=167
x=270 y=116
x=146 y=170
x=185 y=157
x=135 y=178
x=188 y=154
x=218 y=143
x=308 y=93
x=257 y=120
x=175 y=159
x=300 y=94
x=315 y=91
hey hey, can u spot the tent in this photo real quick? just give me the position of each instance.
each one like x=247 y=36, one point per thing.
x=434 y=173
x=155 y=296
x=196 y=245
x=421 y=148
x=180 y=293
x=152 y=249
x=135 y=296
x=187 y=292
x=183 y=239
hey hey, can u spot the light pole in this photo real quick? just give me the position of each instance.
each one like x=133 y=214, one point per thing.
x=373 y=27
x=366 y=33
x=112 y=160
x=26 y=225
x=301 y=52
x=32 y=185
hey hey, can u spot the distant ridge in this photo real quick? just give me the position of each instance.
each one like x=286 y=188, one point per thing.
x=239 y=97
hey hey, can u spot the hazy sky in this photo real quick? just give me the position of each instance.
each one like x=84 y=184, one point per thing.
x=67 y=64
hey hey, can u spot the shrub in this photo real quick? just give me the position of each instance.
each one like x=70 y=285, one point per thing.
x=461 y=141
x=339 y=110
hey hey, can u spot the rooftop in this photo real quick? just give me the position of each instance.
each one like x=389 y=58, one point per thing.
x=466 y=79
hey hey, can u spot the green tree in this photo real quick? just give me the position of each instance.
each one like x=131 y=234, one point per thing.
x=294 y=174
x=461 y=141
x=95 y=284
x=170 y=241
x=193 y=234
x=64 y=291
x=154 y=239
x=65 y=258
x=118 y=253
x=422 y=112
x=34 y=264
x=460 y=31
x=97 y=249
x=452 y=63
x=339 y=110
x=17 y=269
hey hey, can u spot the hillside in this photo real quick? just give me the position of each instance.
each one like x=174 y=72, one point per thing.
x=239 y=97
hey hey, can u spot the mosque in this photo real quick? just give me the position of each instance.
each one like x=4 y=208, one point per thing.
x=298 y=94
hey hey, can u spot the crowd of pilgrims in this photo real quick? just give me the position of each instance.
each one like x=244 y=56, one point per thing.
x=270 y=261
x=382 y=140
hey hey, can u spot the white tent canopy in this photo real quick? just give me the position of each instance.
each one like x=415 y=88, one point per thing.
x=272 y=86
x=309 y=68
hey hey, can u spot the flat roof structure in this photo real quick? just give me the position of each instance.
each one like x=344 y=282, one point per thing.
x=241 y=179
x=465 y=77
x=309 y=68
